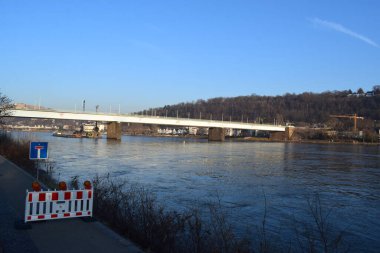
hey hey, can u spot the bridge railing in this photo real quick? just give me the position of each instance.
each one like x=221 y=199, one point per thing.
x=145 y=116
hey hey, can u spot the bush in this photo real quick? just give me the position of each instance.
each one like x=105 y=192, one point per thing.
x=17 y=151
x=133 y=211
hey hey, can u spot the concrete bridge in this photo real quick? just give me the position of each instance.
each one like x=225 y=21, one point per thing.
x=216 y=128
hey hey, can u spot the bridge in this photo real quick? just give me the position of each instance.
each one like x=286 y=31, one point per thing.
x=216 y=128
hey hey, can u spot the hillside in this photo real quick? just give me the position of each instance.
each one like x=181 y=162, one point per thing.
x=300 y=109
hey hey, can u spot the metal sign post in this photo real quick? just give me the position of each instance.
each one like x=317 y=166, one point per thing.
x=38 y=151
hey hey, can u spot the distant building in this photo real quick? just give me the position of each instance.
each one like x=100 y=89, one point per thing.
x=165 y=131
x=229 y=132
x=193 y=130
x=366 y=94
x=90 y=127
x=23 y=106
x=237 y=132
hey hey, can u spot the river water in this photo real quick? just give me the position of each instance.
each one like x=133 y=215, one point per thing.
x=243 y=176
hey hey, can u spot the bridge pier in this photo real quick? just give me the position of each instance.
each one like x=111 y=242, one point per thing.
x=289 y=130
x=114 y=130
x=287 y=135
x=216 y=134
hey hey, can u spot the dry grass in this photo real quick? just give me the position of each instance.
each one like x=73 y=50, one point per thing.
x=133 y=211
x=16 y=151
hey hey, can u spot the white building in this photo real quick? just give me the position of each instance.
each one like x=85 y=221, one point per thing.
x=193 y=130
x=90 y=127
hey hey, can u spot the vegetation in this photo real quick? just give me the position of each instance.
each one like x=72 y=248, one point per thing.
x=133 y=211
x=16 y=150
x=5 y=105
x=302 y=109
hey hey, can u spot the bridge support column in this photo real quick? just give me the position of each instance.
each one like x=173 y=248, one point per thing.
x=114 y=130
x=216 y=134
x=289 y=130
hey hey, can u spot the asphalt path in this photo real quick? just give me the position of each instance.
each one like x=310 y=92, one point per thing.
x=66 y=235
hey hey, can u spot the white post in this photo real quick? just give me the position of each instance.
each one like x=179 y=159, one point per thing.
x=38 y=154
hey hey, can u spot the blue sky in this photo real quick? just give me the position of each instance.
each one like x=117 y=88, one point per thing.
x=142 y=54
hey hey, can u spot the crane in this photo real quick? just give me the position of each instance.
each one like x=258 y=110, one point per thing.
x=355 y=117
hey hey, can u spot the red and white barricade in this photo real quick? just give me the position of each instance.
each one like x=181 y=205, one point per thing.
x=50 y=205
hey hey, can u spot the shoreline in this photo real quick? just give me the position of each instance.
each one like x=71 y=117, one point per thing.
x=256 y=139
x=325 y=142
x=236 y=139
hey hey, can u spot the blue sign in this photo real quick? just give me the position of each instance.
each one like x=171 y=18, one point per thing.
x=38 y=150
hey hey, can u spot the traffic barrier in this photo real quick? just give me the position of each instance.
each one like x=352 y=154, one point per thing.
x=51 y=205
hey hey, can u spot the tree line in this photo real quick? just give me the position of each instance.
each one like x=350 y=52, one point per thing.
x=305 y=108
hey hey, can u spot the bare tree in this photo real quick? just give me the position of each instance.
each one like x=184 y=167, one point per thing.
x=6 y=105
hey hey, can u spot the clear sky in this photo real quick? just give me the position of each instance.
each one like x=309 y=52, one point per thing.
x=142 y=54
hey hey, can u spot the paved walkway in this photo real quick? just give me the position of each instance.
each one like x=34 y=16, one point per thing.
x=69 y=235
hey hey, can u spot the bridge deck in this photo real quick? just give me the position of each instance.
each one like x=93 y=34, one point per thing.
x=157 y=120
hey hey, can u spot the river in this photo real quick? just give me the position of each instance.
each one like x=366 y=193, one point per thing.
x=244 y=176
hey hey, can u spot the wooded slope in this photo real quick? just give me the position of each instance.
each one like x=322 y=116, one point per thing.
x=309 y=108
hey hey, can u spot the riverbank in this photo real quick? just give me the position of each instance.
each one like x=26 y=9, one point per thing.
x=242 y=139
x=352 y=142
x=263 y=139
x=69 y=235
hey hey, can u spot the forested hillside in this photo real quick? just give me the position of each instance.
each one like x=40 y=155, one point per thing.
x=305 y=108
